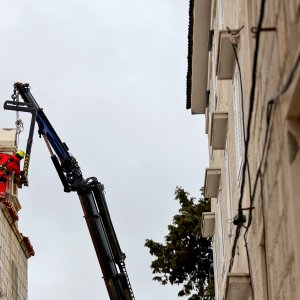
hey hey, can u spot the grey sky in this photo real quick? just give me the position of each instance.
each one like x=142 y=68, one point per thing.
x=110 y=76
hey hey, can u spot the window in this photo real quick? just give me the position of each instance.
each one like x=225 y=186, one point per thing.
x=238 y=123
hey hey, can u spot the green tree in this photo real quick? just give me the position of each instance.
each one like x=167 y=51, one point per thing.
x=185 y=258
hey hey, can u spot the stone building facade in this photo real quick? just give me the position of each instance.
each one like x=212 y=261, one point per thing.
x=15 y=248
x=244 y=77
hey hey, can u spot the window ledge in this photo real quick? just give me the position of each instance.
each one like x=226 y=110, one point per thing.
x=238 y=286
x=226 y=57
x=218 y=131
x=212 y=182
x=208 y=224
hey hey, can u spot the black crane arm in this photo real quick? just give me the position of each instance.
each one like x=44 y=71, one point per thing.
x=90 y=192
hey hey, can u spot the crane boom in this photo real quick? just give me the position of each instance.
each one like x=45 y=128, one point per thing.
x=90 y=192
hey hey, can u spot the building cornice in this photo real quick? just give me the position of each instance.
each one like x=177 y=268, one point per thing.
x=197 y=71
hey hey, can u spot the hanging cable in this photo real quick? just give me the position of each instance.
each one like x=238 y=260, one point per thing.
x=245 y=167
x=19 y=123
x=258 y=178
x=239 y=220
x=270 y=111
x=234 y=47
x=264 y=235
x=251 y=106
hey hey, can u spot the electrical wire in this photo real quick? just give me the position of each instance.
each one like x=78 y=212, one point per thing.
x=252 y=100
x=269 y=115
x=249 y=267
x=234 y=47
x=270 y=111
x=251 y=106
x=289 y=80
x=245 y=167
x=264 y=233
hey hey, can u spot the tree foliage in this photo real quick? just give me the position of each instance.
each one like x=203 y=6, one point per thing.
x=185 y=258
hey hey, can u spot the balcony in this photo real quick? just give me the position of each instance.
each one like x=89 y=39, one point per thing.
x=212 y=182
x=226 y=57
x=218 y=131
x=208 y=224
x=238 y=286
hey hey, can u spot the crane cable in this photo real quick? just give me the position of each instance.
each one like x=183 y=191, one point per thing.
x=19 y=123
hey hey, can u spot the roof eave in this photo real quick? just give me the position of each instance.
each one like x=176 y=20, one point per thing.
x=200 y=11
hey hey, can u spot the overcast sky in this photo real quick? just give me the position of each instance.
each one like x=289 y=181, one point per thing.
x=111 y=77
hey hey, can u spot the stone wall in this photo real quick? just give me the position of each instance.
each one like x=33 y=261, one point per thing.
x=269 y=249
x=15 y=249
x=13 y=260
